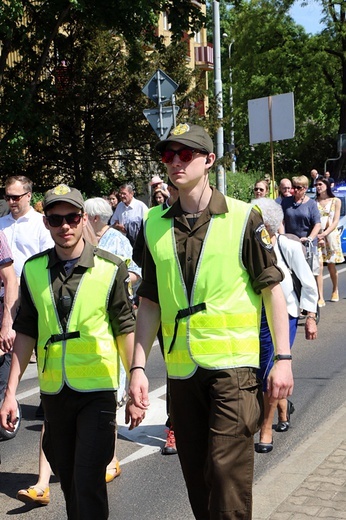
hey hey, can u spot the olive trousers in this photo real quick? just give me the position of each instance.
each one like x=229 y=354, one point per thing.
x=215 y=414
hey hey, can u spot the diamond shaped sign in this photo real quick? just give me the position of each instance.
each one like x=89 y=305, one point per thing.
x=160 y=87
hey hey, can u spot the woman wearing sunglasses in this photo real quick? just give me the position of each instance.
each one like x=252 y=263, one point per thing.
x=302 y=218
x=261 y=189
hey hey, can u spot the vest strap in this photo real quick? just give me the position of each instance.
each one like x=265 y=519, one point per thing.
x=55 y=338
x=183 y=313
x=64 y=336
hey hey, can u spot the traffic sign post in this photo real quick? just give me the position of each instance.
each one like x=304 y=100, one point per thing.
x=161 y=119
x=160 y=89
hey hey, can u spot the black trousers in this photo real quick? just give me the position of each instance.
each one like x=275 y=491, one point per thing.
x=79 y=443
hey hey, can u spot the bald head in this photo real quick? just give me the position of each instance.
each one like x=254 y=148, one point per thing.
x=285 y=187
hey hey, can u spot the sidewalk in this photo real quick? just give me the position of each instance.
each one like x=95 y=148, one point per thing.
x=309 y=483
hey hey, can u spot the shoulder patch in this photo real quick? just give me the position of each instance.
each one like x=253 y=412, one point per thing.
x=102 y=253
x=128 y=289
x=263 y=237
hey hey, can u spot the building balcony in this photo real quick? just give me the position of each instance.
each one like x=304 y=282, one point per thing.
x=204 y=58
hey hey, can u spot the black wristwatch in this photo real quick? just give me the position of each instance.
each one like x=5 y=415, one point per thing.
x=280 y=357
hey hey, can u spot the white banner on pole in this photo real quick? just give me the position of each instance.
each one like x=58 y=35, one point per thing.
x=275 y=111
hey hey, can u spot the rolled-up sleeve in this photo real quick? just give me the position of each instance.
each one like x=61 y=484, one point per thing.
x=258 y=255
x=120 y=305
x=148 y=288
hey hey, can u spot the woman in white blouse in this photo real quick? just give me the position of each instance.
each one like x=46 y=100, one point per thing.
x=290 y=257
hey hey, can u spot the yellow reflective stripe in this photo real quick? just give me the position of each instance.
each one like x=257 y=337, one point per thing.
x=225 y=321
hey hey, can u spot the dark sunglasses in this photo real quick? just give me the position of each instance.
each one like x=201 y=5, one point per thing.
x=298 y=187
x=15 y=198
x=57 y=220
x=184 y=154
x=258 y=189
x=320 y=184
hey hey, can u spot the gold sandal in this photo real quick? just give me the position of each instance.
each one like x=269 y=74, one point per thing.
x=112 y=473
x=34 y=495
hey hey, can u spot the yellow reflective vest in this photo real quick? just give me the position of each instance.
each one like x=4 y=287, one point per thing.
x=85 y=355
x=219 y=326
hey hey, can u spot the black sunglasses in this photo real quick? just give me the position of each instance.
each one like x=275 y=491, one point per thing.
x=15 y=198
x=184 y=154
x=298 y=187
x=57 y=220
x=258 y=189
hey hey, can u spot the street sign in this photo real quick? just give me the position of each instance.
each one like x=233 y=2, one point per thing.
x=160 y=87
x=161 y=119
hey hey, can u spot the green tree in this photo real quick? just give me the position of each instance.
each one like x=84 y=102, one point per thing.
x=50 y=116
x=271 y=55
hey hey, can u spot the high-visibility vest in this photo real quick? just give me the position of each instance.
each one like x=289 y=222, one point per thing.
x=219 y=326
x=85 y=355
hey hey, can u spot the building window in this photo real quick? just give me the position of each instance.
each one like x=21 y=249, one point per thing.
x=198 y=37
x=166 y=25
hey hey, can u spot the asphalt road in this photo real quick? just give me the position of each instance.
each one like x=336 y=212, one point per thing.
x=151 y=485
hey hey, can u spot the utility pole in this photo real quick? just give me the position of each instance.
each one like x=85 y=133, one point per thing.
x=220 y=172
x=232 y=144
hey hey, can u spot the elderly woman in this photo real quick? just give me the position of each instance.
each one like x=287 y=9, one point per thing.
x=302 y=218
x=108 y=238
x=290 y=257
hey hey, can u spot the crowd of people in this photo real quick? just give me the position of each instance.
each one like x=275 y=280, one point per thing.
x=225 y=313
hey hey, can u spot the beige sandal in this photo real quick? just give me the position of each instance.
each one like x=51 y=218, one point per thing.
x=34 y=495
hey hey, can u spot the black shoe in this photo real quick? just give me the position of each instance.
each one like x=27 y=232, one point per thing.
x=264 y=447
x=282 y=426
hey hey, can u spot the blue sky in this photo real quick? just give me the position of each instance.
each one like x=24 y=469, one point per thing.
x=308 y=16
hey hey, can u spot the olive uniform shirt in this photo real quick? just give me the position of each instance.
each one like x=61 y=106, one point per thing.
x=257 y=255
x=65 y=277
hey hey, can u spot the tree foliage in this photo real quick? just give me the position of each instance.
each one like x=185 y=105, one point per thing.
x=71 y=73
x=272 y=55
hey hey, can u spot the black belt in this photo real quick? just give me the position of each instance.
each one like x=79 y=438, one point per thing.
x=183 y=313
x=62 y=337
x=58 y=337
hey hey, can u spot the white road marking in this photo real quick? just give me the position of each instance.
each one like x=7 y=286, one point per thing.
x=150 y=435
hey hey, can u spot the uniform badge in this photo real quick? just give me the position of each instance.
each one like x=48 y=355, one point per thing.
x=181 y=129
x=128 y=288
x=61 y=189
x=263 y=237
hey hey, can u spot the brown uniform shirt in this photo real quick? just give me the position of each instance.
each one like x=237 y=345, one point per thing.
x=258 y=255
x=65 y=279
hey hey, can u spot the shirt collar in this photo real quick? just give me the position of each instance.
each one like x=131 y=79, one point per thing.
x=85 y=260
x=26 y=216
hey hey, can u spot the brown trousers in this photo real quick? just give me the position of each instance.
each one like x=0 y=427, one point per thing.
x=215 y=414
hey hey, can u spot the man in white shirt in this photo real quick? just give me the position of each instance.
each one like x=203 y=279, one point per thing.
x=128 y=214
x=23 y=226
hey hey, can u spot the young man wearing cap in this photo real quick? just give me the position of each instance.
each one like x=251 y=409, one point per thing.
x=208 y=263
x=75 y=304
